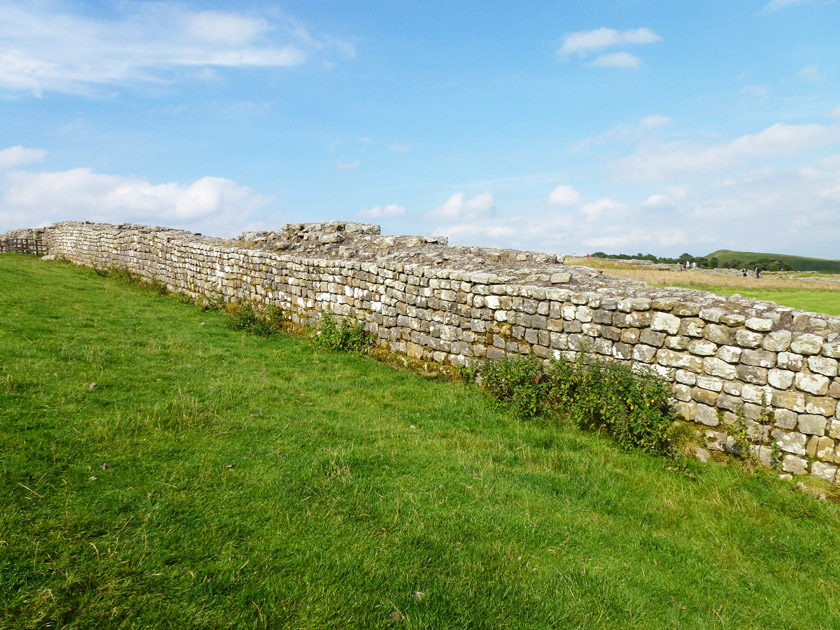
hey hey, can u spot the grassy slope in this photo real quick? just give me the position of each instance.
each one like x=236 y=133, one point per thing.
x=797 y=263
x=815 y=301
x=214 y=479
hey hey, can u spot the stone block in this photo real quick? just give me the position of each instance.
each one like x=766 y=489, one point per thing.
x=643 y=353
x=824 y=471
x=834 y=429
x=812 y=424
x=759 y=358
x=759 y=324
x=707 y=415
x=821 y=406
x=780 y=379
x=790 y=442
x=705 y=396
x=795 y=465
x=793 y=401
x=630 y=335
x=756 y=394
x=832 y=349
x=730 y=354
x=702 y=348
x=709 y=382
x=821 y=448
x=807 y=344
x=685 y=377
x=692 y=327
x=823 y=365
x=669 y=358
x=778 y=341
x=651 y=338
x=716 y=367
x=677 y=343
x=686 y=410
x=665 y=322
x=720 y=335
x=750 y=374
x=790 y=361
x=681 y=392
x=712 y=314
x=748 y=338
x=816 y=384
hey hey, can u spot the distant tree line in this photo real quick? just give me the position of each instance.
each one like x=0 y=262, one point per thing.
x=765 y=264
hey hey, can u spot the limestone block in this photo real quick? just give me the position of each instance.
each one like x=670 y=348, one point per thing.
x=669 y=358
x=634 y=304
x=778 y=341
x=730 y=354
x=756 y=394
x=611 y=333
x=812 y=424
x=686 y=409
x=707 y=415
x=716 y=440
x=716 y=367
x=793 y=401
x=665 y=322
x=639 y=319
x=730 y=403
x=748 y=338
x=790 y=442
x=795 y=465
x=622 y=351
x=816 y=384
x=820 y=447
x=568 y=311
x=790 y=361
x=834 y=388
x=704 y=396
x=780 y=379
x=573 y=326
x=761 y=358
x=602 y=316
x=750 y=374
x=692 y=327
x=712 y=314
x=708 y=382
x=677 y=343
x=823 y=365
x=685 y=377
x=652 y=338
x=820 y=406
x=732 y=319
x=834 y=429
x=720 y=335
x=643 y=353
x=702 y=348
x=583 y=314
x=686 y=310
x=681 y=392
x=832 y=349
x=733 y=388
x=630 y=335
x=824 y=471
x=807 y=344
x=759 y=324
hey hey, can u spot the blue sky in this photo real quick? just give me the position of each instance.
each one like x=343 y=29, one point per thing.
x=624 y=126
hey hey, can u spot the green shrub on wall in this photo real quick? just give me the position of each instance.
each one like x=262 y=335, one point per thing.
x=630 y=406
x=343 y=334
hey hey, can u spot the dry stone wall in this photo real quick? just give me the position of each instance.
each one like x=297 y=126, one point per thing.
x=726 y=358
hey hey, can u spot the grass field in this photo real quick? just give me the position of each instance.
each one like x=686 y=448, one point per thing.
x=159 y=470
x=797 y=263
x=803 y=293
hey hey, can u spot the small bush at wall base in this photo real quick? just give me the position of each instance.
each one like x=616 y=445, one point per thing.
x=631 y=407
x=262 y=323
x=343 y=334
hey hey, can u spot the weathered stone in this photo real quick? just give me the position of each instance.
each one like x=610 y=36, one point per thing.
x=702 y=348
x=681 y=392
x=645 y=354
x=823 y=365
x=790 y=442
x=807 y=344
x=750 y=374
x=707 y=415
x=811 y=424
x=790 y=361
x=795 y=465
x=669 y=358
x=709 y=382
x=715 y=367
x=677 y=343
x=832 y=349
x=686 y=410
x=780 y=379
x=760 y=358
x=785 y=419
x=834 y=429
x=704 y=396
x=692 y=327
x=730 y=403
x=820 y=406
x=824 y=471
x=730 y=354
x=756 y=394
x=816 y=384
x=732 y=319
x=651 y=338
x=748 y=339
x=665 y=322
x=712 y=314
x=821 y=448
x=777 y=341
x=685 y=377
x=720 y=335
x=759 y=324
x=789 y=400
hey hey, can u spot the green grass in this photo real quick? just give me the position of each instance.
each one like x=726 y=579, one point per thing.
x=217 y=479
x=797 y=263
x=815 y=301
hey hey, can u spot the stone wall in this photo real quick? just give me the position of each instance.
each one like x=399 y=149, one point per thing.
x=725 y=357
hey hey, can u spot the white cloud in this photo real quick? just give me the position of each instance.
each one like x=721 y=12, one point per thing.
x=347 y=166
x=659 y=202
x=602 y=209
x=809 y=73
x=836 y=112
x=583 y=42
x=45 y=48
x=663 y=160
x=616 y=60
x=775 y=5
x=563 y=195
x=18 y=155
x=459 y=207
x=380 y=212
x=652 y=122
x=635 y=131
x=42 y=197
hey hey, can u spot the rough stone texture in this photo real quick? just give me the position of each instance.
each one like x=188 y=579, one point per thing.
x=419 y=296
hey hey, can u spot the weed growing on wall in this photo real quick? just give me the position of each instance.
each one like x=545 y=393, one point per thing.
x=631 y=407
x=342 y=334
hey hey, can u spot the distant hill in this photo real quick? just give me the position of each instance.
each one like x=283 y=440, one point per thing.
x=797 y=263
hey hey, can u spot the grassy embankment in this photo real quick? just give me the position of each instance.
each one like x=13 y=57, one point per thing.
x=160 y=470
x=806 y=294
x=797 y=263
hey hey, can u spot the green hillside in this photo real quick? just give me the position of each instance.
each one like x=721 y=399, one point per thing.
x=797 y=263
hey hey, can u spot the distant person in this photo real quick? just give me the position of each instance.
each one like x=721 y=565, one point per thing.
x=758 y=272
x=694 y=264
x=744 y=272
